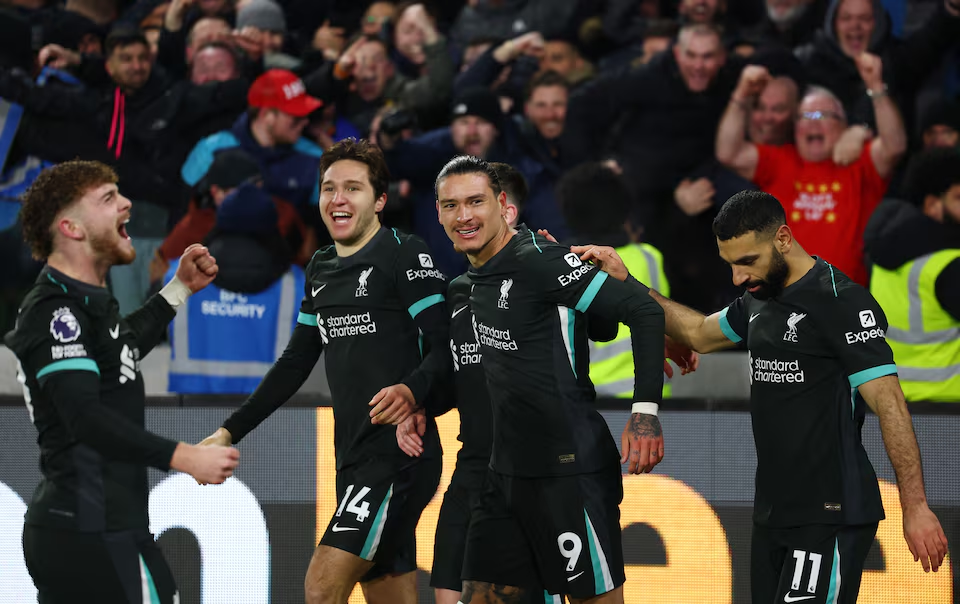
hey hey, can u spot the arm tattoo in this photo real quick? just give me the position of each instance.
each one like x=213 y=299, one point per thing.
x=475 y=591
x=643 y=425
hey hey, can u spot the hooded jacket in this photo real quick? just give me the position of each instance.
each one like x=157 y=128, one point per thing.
x=905 y=64
x=144 y=135
x=899 y=233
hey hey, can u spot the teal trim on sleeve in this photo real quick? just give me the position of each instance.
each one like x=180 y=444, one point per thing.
x=586 y=299
x=862 y=377
x=417 y=307
x=69 y=365
x=305 y=319
x=533 y=238
x=727 y=330
x=396 y=236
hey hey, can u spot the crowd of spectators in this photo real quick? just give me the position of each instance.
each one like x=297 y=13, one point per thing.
x=201 y=105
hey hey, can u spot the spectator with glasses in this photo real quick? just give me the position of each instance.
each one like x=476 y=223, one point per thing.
x=827 y=204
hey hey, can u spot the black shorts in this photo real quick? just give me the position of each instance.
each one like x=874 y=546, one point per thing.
x=122 y=567
x=379 y=506
x=560 y=532
x=815 y=564
x=450 y=541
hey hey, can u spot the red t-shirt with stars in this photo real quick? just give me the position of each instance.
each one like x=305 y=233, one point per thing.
x=827 y=205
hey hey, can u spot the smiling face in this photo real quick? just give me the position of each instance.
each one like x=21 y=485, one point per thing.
x=854 y=26
x=471 y=214
x=348 y=203
x=771 y=121
x=98 y=219
x=699 y=57
x=129 y=66
x=819 y=125
x=547 y=110
x=473 y=135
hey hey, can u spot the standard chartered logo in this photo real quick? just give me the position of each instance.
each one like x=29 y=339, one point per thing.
x=345 y=326
x=775 y=371
x=499 y=339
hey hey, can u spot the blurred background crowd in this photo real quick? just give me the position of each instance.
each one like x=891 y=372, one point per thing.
x=631 y=122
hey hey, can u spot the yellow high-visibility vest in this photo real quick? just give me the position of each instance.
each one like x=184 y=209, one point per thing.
x=611 y=363
x=924 y=337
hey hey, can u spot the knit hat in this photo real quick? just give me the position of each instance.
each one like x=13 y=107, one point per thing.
x=247 y=209
x=942 y=112
x=264 y=15
x=230 y=168
x=480 y=102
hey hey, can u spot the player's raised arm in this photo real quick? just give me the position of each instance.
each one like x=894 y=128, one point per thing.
x=724 y=329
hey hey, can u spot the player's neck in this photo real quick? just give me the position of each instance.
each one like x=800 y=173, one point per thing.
x=80 y=266
x=798 y=266
x=492 y=248
x=349 y=249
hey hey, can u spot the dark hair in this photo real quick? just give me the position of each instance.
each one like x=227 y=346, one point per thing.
x=468 y=164
x=594 y=200
x=931 y=172
x=542 y=80
x=54 y=190
x=748 y=212
x=512 y=183
x=364 y=152
x=121 y=37
x=190 y=33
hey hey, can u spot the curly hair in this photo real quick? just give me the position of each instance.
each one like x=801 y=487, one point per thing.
x=364 y=152
x=55 y=190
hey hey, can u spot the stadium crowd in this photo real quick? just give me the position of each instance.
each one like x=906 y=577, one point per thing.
x=631 y=121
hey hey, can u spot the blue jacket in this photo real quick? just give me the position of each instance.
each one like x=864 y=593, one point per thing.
x=223 y=342
x=290 y=172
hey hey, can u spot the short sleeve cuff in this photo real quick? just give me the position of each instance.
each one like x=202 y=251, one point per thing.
x=727 y=329
x=862 y=377
x=586 y=299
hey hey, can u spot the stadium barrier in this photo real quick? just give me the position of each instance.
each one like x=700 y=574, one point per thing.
x=686 y=527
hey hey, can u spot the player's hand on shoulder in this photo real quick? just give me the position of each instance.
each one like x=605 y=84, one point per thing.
x=605 y=258
x=409 y=434
x=197 y=267
x=924 y=536
x=208 y=465
x=641 y=443
x=392 y=405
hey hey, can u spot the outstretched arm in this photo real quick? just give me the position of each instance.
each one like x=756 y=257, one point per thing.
x=685 y=325
x=921 y=529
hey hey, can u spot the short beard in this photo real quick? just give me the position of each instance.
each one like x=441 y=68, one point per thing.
x=772 y=285
x=106 y=249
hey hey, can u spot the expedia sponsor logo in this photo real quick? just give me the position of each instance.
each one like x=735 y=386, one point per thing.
x=499 y=339
x=775 y=371
x=350 y=325
x=862 y=336
x=575 y=275
x=425 y=273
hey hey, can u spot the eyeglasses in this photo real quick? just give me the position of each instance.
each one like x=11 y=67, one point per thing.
x=816 y=116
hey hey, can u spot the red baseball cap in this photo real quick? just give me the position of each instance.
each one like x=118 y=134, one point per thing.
x=283 y=90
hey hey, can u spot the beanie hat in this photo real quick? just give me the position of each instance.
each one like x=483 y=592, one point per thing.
x=264 y=15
